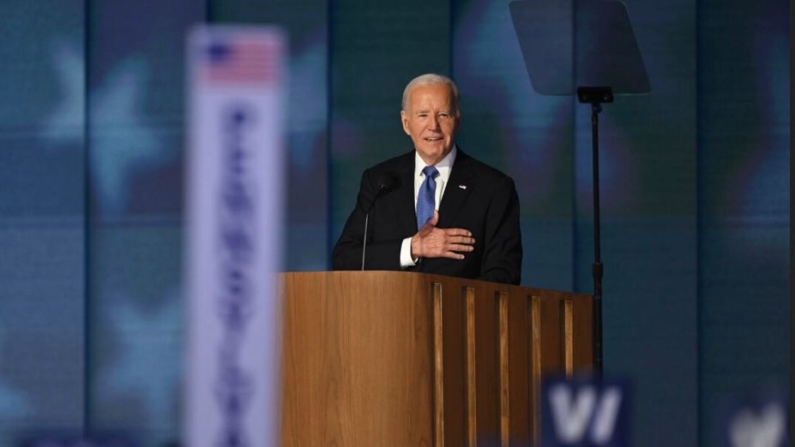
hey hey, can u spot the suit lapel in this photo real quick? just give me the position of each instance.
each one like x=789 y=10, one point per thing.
x=405 y=195
x=457 y=190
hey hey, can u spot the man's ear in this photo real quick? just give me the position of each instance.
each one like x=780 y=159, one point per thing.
x=404 y=120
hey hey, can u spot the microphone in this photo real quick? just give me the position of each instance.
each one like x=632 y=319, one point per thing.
x=387 y=182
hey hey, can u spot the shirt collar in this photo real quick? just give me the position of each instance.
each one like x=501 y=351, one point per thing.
x=444 y=166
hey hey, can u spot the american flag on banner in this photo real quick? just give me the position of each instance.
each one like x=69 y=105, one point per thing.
x=234 y=217
x=233 y=60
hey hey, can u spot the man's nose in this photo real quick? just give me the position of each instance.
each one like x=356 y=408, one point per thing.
x=434 y=122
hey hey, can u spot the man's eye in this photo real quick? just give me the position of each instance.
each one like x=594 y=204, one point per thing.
x=444 y=115
x=422 y=115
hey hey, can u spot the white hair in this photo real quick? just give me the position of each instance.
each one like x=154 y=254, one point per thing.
x=430 y=79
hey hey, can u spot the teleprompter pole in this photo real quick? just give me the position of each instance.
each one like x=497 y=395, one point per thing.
x=596 y=96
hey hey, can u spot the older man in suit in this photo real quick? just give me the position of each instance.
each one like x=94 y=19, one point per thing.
x=434 y=209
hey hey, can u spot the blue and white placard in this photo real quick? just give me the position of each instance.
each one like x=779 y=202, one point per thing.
x=585 y=412
x=757 y=419
x=234 y=218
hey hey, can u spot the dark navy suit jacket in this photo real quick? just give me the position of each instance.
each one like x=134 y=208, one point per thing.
x=477 y=197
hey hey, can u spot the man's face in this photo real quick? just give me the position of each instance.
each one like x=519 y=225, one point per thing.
x=431 y=121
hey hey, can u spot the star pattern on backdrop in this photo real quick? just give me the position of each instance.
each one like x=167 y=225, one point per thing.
x=148 y=361
x=121 y=140
x=65 y=120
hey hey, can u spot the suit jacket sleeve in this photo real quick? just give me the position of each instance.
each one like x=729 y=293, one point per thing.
x=502 y=256
x=347 y=253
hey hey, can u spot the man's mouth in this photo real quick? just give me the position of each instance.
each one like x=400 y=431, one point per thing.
x=433 y=139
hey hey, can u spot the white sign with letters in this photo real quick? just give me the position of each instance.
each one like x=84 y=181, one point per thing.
x=585 y=412
x=757 y=421
x=234 y=220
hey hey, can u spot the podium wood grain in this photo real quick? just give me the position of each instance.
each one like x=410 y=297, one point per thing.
x=407 y=359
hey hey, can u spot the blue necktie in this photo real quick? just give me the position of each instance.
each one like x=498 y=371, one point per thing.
x=426 y=199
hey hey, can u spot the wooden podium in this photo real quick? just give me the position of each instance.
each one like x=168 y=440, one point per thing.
x=408 y=359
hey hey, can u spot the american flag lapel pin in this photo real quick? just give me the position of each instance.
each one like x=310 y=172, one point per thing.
x=464 y=187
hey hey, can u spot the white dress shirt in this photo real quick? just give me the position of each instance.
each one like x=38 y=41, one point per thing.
x=445 y=167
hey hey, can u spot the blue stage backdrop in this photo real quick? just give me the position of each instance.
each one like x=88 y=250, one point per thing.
x=695 y=202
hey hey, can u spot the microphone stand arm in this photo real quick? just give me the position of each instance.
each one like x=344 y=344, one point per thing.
x=364 y=240
x=385 y=184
